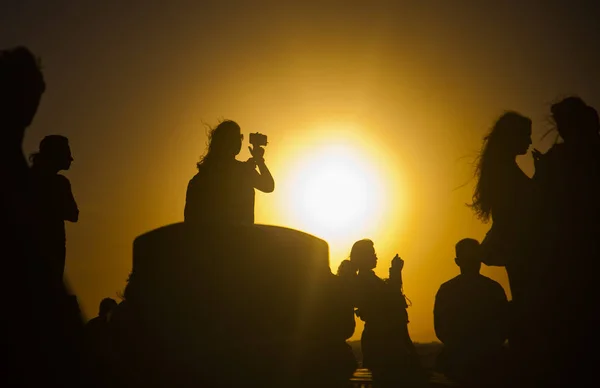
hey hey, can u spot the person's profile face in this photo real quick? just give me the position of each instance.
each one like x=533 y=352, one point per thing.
x=369 y=258
x=522 y=140
x=65 y=158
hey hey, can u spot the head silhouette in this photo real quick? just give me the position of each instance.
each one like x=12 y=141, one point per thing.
x=224 y=142
x=576 y=122
x=21 y=88
x=107 y=305
x=510 y=136
x=54 y=154
x=468 y=256
x=346 y=269
x=363 y=256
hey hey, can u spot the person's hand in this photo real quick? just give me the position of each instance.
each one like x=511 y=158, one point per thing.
x=257 y=153
x=397 y=263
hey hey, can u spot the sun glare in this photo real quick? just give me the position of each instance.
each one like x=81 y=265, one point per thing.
x=337 y=194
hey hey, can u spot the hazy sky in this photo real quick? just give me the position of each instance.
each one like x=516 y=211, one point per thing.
x=410 y=87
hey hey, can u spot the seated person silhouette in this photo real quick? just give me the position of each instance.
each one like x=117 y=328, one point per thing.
x=223 y=189
x=54 y=199
x=470 y=318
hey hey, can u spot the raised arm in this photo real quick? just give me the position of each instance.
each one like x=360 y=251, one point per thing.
x=263 y=180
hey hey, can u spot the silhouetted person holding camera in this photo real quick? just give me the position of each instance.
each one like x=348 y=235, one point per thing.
x=470 y=318
x=387 y=348
x=223 y=189
x=55 y=202
x=39 y=341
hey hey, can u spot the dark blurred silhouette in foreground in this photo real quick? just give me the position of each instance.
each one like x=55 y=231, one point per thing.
x=41 y=333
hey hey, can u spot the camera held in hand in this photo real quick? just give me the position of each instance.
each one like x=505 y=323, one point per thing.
x=258 y=139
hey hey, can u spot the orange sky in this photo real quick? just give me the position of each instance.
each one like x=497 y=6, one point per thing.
x=413 y=88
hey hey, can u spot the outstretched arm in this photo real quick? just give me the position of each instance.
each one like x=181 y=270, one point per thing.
x=69 y=209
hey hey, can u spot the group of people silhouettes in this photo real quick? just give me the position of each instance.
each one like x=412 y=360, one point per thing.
x=544 y=232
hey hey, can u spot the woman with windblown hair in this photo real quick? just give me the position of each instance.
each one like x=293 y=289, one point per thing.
x=505 y=194
x=223 y=189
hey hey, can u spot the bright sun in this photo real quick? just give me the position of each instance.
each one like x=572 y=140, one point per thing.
x=337 y=194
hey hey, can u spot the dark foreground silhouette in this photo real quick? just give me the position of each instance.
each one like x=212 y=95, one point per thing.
x=237 y=304
x=41 y=328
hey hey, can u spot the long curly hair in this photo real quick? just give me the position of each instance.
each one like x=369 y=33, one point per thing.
x=493 y=152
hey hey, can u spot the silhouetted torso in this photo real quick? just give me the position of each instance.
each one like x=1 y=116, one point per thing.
x=470 y=314
x=470 y=318
x=374 y=299
x=386 y=346
x=222 y=193
x=53 y=201
x=514 y=214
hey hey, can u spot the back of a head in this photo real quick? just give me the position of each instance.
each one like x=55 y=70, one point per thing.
x=468 y=255
x=572 y=117
x=106 y=306
x=21 y=85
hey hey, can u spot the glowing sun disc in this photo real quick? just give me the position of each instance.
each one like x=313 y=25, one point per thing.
x=336 y=193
